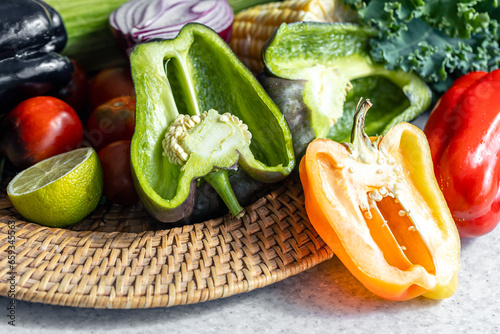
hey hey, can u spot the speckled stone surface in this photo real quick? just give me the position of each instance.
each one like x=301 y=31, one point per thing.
x=324 y=299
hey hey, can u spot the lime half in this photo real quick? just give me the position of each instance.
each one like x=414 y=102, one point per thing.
x=58 y=191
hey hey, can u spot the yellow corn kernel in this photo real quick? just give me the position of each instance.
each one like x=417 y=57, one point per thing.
x=253 y=27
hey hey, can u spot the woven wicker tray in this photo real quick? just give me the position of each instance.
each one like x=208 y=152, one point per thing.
x=121 y=258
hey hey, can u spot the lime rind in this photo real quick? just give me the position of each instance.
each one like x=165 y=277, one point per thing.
x=47 y=171
x=59 y=191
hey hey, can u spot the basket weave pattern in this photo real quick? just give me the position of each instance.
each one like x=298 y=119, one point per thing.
x=119 y=258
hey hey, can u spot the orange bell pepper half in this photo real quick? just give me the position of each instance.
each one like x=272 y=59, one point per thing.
x=378 y=206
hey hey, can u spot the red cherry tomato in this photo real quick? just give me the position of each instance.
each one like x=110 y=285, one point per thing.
x=111 y=121
x=117 y=177
x=110 y=83
x=39 y=128
x=76 y=92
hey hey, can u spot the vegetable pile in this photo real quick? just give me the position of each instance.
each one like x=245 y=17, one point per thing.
x=182 y=125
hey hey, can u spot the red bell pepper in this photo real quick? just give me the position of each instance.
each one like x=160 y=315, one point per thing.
x=463 y=132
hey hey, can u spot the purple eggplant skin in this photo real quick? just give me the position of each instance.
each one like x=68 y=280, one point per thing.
x=29 y=25
x=31 y=35
x=32 y=74
x=287 y=94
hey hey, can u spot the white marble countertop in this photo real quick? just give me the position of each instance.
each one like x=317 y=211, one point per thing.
x=324 y=299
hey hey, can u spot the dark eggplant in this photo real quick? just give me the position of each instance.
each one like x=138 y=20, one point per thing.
x=31 y=74
x=29 y=25
x=288 y=96
x=31 y=35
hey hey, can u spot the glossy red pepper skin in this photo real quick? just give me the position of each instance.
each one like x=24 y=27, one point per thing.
x=463 y=132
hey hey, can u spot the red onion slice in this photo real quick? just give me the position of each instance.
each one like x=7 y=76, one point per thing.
x=142 y=20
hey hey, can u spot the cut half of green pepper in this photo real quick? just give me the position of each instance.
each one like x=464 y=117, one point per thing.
x=312 y=66
x=199 y=113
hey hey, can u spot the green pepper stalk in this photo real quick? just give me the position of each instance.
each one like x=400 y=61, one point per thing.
x=211 y=139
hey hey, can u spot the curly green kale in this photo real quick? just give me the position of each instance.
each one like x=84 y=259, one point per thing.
x=438 y=39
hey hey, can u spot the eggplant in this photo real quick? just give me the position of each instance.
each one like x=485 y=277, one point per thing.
x=31 y=36
x=288 y=96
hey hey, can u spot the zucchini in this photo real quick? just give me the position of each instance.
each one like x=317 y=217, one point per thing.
x=90 y=40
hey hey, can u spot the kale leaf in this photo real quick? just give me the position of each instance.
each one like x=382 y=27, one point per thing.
x=438 y=39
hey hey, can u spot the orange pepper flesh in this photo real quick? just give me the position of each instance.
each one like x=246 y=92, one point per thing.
x=379 y=208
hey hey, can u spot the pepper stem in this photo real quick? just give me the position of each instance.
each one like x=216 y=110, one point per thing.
x=219 y=179
x=361 y=145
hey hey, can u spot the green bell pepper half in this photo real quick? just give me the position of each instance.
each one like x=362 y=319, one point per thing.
x=310 y=69
x=189 y=75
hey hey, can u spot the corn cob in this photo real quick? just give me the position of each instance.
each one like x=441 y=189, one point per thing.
x=253 y=27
